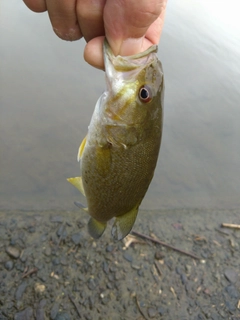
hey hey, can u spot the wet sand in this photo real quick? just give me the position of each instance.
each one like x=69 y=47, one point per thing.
x=50 y=268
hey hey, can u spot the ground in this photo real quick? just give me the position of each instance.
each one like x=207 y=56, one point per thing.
x=50 y=268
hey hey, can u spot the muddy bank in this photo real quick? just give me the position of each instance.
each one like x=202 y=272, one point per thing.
x=50 y=268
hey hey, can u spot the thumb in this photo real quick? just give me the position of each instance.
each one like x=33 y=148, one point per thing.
x=127 y=23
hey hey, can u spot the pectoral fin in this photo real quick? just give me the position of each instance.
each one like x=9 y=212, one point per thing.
x=81 y=148
x=123 y=224
x=96 y=228
x=81 y=206
x=77 y=182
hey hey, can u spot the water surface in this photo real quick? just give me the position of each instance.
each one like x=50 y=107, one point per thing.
x=48 y=93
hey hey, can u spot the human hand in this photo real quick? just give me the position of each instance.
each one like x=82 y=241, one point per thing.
x=130 y=26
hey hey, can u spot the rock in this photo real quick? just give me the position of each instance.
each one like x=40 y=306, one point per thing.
x=26 y=314
x=76 y=238
x=9 y=265
x=55 y=261
x=57 y=219
x=62 y=232
x=39 y=288
x=31 y=229
x=40 y=314
x=152 y=312
x=13 y=252
x=92 y=284
x=54 y=311
x=2 y=317
x=231 y=275
x=159 y=255
x=20 y=290
x=48 y=251
x=64 y=261
x=105 y=267
x=232 y=291
x=109 y=248
x=62 y=316
x=127 y=257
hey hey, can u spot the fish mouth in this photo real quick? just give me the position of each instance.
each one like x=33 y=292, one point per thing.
x=126 y=63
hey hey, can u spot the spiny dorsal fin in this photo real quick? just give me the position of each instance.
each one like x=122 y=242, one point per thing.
x=123 y=224
x=77 y=182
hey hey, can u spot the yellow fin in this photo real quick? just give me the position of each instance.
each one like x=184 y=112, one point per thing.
x=123 y=224
x=96 y=228
x=81 y=148
x=77 y=182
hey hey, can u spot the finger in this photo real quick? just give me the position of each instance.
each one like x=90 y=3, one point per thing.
x=154 y=32
x=90 y=18
x=93 y=53
x=62 y=14
x=36 y=5
x=130 y=19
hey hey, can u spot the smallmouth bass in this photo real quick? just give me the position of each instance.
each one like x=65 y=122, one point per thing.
x=119 y=154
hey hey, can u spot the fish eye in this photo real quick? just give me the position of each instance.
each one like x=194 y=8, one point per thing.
x=145 y=94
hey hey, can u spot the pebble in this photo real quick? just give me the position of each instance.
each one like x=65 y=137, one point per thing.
x=13 y=252
x=232 y=291
x=231 y=306
x=26 y=314
x=57 y=219
x=40 y=314
x=76 y=238
x=127 y=257
x=91 y=284
x=8 y=265
x=54 y=311
x=43 y=237
x=105 y=267
x=31 y=229
x=159 y=255
x=39 y=288
x=109 y=248
x=231 y=275
x=48 y=251
x=20 y=290
x=64 y=261
x=2 y=317
x=135 y=266
x=152 y=312
x=55 y=261
x=62 y=232
x=62 y=316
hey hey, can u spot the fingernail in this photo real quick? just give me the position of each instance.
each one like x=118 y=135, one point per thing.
x=131 y=46
x=71 y=35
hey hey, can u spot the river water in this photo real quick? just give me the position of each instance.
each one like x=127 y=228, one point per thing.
x=48 y=93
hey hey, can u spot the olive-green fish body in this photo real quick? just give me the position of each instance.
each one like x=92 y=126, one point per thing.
x=119 y=154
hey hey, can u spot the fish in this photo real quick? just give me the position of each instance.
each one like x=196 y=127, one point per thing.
x=120 y=152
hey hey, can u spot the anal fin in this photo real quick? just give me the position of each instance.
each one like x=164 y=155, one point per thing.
x=96 y=228
x=123 y=224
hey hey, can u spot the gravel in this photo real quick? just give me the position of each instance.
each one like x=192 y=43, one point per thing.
x=50 y=268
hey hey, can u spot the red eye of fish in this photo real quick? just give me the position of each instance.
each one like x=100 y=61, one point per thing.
x=145 y=94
